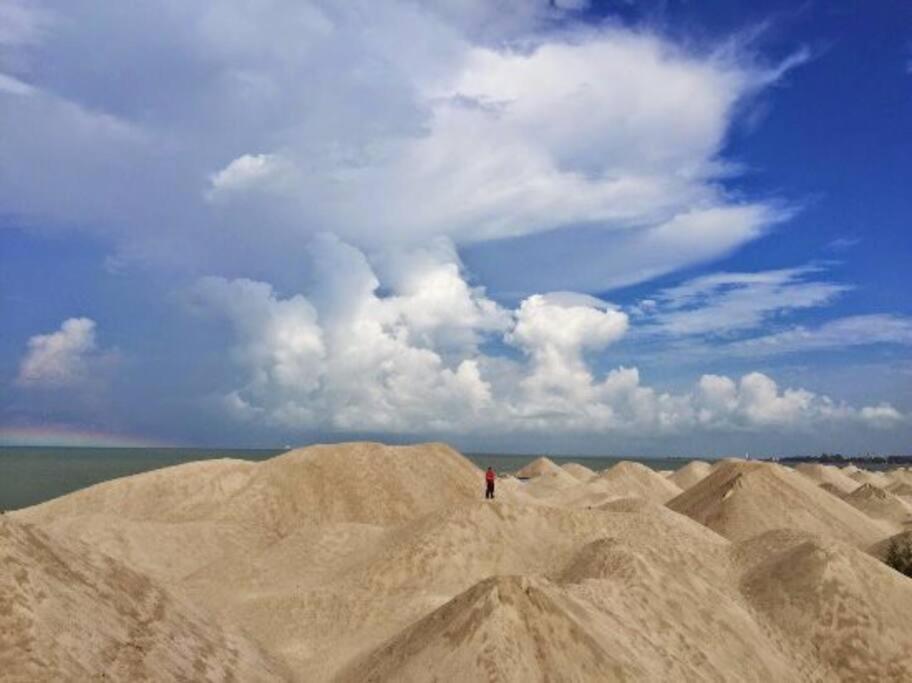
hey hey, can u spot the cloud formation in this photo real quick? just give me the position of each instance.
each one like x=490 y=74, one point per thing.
x=383 y=123
x=418 y=358
x=721 y=304
x=60 y=359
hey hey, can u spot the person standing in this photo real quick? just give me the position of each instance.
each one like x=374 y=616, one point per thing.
x=490 y=476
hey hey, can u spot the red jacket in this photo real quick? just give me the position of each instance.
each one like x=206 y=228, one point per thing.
x=490 y=475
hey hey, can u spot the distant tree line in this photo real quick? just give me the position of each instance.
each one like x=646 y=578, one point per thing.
x=839 y=459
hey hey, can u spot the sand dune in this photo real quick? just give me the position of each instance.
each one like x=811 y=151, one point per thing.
x=69 y=613
x=368 y=562
x=581 y=472
x=879 y=479
x=880 y=504
x=827 y=474
x=838 y=606
x=537 y=467
x=692 y=473
x=635 y=479
x=743 y=499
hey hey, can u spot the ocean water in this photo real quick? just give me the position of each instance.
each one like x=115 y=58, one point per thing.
x=32 y=475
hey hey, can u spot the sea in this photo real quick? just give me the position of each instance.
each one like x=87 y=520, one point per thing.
x=33 y=474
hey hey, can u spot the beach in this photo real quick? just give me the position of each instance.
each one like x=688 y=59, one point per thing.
x=362 y=561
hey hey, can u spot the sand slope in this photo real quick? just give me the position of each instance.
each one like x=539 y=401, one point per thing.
x=68 y=613
x=743 y=499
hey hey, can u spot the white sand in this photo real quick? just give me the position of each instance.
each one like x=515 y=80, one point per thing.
x=364 y=562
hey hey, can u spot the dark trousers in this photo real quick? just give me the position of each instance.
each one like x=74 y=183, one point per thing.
x=489 y=491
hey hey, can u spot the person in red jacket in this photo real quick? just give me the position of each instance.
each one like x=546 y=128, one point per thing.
x=490 y=476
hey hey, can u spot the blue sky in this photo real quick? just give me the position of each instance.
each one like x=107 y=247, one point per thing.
x=610 y=227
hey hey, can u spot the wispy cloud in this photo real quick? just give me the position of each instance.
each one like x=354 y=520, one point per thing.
x=722 y=304
x=859 y=330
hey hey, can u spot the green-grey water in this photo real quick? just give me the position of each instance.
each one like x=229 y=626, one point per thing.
x=32 y=475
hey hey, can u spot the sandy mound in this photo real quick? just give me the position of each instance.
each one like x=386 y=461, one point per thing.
x=840 y=606
x=506 y=628
x=879 y=479
x=901 y=489
x=581 y=472
x=67 y=613
x=551 y=484
x=690 y=474
x=743 y=499
x=367 y=483
x=827 y=474
x=537 y=467
x=880 y=504
x=634 y=479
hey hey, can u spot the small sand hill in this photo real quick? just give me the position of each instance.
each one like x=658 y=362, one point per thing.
x=505 y=628
x=366 y=483
x=878 y=479
x=880 y=504
x=833 y=604
x=581 y=472
x=690 y=474
x=68 y=613
x=550 y=484
x=901 y=489
x=634 y=479
x=537 y=467
x=742 y=499
x=827 y=474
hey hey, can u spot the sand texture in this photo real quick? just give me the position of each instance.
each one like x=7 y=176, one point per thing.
x=365 y=562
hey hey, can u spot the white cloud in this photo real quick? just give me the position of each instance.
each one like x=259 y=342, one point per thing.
x=249 y=172
x=723 y=303
x=386 y=124
x=841 y=333
x=413 y=359
x=61 y=358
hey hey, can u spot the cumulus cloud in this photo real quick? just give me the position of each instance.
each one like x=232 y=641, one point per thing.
x=62 y=358
x=419 y=353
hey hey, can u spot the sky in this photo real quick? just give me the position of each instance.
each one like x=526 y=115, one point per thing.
x=621 y=227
